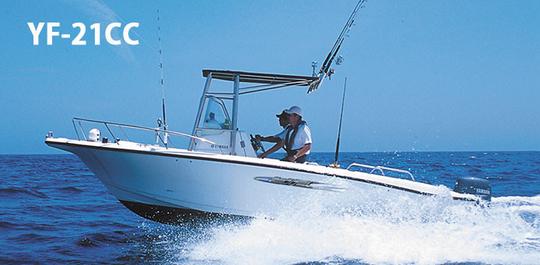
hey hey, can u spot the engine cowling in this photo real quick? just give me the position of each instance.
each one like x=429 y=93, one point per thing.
x=475 y=186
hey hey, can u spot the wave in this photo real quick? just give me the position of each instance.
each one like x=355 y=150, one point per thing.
x=12 y=191
x=70 y=190
x=426 y=230
x=97 y=239
x=7 y=225
x=535 y=200
x=30 y=238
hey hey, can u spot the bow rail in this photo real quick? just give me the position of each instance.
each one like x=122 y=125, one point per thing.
x=162 y=135
x=381 y=169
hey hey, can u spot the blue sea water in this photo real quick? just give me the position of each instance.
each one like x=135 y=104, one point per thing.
x=53 y=210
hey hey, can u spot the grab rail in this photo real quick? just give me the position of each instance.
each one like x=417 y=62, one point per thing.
x=381 y=169
x=107 y=125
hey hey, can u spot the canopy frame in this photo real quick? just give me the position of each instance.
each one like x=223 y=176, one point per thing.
x=259 y=82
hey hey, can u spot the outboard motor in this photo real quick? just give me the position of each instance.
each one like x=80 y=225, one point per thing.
x=475 y=186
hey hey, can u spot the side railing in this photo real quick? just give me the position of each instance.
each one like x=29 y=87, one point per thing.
x=162 y=135
x=381 y=169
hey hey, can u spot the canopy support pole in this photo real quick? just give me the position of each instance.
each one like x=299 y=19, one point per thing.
x=201 y=108
x=235 y=114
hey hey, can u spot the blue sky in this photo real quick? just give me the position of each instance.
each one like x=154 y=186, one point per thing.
x=422 y=75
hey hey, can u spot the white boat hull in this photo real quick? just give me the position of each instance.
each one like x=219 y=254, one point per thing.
x=167 y=185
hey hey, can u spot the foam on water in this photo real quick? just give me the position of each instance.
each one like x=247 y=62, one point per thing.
x=426 y=230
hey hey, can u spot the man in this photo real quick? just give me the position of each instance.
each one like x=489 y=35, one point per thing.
x=283 y=119
x=296 y=138
x=211 y=122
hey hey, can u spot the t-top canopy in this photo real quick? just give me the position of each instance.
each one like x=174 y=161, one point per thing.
x=261 y=78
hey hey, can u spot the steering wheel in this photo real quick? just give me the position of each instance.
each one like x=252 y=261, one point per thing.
x=256 y=144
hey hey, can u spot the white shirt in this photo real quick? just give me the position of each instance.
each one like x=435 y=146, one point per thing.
x=302 y=137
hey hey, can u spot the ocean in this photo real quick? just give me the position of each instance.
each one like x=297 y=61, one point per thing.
x=53 y=210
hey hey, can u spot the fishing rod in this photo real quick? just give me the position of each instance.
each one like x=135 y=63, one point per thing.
x=326 y=69
x=163 y=121
x=335 y=164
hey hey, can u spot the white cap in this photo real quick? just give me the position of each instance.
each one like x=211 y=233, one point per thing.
x=294 y=109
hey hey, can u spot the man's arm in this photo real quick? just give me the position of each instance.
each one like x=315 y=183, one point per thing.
x=274 y=148
x=271 y=139
x=303 y=150
x=300 y=152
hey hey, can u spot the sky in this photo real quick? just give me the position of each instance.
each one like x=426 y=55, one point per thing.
x=422 y=75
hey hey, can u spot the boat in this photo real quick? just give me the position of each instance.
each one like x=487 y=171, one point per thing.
x=218 y=173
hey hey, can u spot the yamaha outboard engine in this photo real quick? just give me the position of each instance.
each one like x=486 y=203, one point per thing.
x=475 y=186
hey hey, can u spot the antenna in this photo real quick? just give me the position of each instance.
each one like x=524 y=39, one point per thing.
x=335 y=164
x=326 y=69
x=163 y=121
x=313 y=66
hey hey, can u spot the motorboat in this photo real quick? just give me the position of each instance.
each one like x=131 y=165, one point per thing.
x=218 y=173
